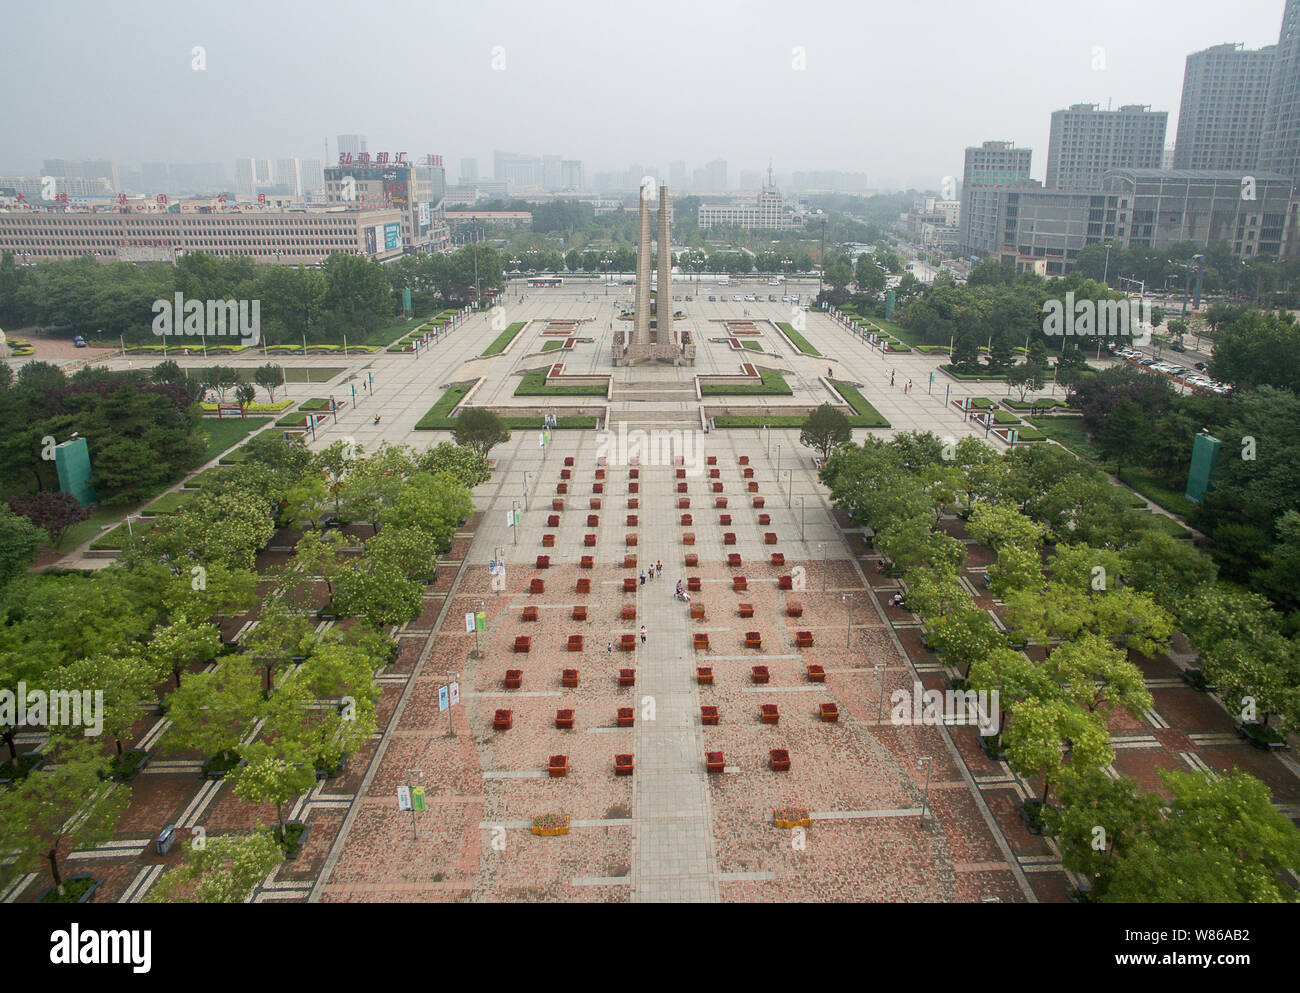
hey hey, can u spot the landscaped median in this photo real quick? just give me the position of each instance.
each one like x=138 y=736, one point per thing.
x=864 y=415
x=504 y=339
x=534 y=384
x=438 y=417
x=772 y=384
x=796 y=339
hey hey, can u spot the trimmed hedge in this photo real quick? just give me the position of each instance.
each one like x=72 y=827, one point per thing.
x=437 y=418
x=504 y=339
x=867 y=415
x=773 y=384
x=168 y=503
x=533 y=384
x=796 y=339
x=561 y=423
x=120 y=537
x=751 y=421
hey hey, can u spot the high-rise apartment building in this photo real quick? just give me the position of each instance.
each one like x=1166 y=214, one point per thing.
x=352 y=144
x=288 y=176
x=990 y=165
x=677 y=175
x=468 y=171
x=312 y=175
x=571 y=175
x=1086 y=142
x=1279 y=142
x=1222 y=111
x=88 y=170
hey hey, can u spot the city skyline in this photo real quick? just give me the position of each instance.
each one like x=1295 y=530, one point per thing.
x=203 y=114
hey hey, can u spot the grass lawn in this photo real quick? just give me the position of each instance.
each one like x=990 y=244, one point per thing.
x=504 y=339
x=315 y=403
x=796 y=339
x=910 y=338
x=551 y=346
x=223 y=434
x=297 y=374
x=204 y=478
x=773 y=384
x=1026 y=433
x=753 y=346
x=561 y=423
x=866 y=415
x=758 y=421
x=120 y=537
x=1070 y=432
x=1046 y=403
x=1169 y=526
x=1005 y=417
x=976 y=377
x=1173 y=501
x=436 y=419
x=168 y=503
x=533 y=384
x=386 y=336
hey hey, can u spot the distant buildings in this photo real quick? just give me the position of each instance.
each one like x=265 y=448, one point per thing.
x=1279 y=142
x=767 y=212
x=88 y=170
x=1086 y=142
x=1221 y=115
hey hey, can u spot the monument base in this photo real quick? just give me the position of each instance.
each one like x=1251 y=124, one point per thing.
x=635 y=354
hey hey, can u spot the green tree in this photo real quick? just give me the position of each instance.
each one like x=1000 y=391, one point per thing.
x=826 y=429
x=1046 y=734
x=480 y=430
x=20 y=540
x=269 y=377
x=214 y=711
x=467 y=465
x=227 y=869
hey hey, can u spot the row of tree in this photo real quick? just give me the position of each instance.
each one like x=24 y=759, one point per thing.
x=1088 y=580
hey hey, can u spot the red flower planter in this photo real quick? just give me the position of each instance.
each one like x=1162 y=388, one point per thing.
x=784 y=582
x=816 y=674
x=714 y=762
x=600 y=475
x=701 y=642
x=628 y=612
x=717 y=487
x=514 y=679
x=629 y=561
x=746 y=609
x=769 y=538
x=522 y=644
x=588 y=541
x=565 y=474
x=631 y=520
x=768 y=713
x=562 y=489
x=729 y=538
x=629 y=584
x=719 y=502
x=557 y=504
x=724 y=520
x=593 y=520
x=568 y=461
x=584 y=585
x=712 y=460
x=748 y=473
x=697 y=611
x=626 y=677
x=575 y=643
x=634 y=487
x=694 y=583
x=634 y=474
x=597 y=487
x=738 y=583
x=744 y=460
x=681 y=473
x=502 y=720
x=630 y=541
x=758 y=673
x=779 y=759
x=708 y=714
x=530 y=614
x=683 y=503
x=544 y=561
x=579 y=613
x=692 y=559
x=733 y=560
x=622 y=765
x=537 y=586
x=778 y=558
x=564 y=719
x=758 y=502
x=558 y=765
x=569 y=678
x=803 y=639
x=683 y=487
x=687 y=520
x=688 y=538
x=829 y=712
x=753 y=486
x=593 y=503
x=627 y=642
x=794 y=608
x=715 y=473
x=553 y=521
x=633 y=503
x=704 y=675
x=764 y=519
x=625 y=717
x=753 y=639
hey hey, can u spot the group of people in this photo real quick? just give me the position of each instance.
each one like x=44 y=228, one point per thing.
x=655 y=569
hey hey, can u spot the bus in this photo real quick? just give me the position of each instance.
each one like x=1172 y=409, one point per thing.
x=544 y=281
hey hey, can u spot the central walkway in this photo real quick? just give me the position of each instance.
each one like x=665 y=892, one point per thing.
x=673 y=859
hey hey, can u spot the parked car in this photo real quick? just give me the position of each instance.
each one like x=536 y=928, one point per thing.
x=736 y=299
x=79 y=341
x=1177 y=346
x=785 y=299
x=771 y=298
x=713 y=299
x=1201 y=366
x=689 y=298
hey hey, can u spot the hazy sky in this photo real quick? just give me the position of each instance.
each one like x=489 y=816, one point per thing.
x=894 y=88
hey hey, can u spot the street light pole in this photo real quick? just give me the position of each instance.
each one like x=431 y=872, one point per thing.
x=880 y=697
x=926 y=761
x=801 y=519
x=848 y=628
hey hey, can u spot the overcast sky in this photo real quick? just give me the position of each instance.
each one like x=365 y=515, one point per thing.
x=893 y=88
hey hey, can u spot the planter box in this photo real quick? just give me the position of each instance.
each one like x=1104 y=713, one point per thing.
x=579 y=613
x=829 y=712
x=687 y=520
x=600 y=475
x=694 y=583
x=688 y=538
x=683 y=487
x=634 y=474
x=738 y=583
x=753 y=486
x=602 y=461
x=633 y=503
x=714 y=762
x=627 y=642
x=683 y=503
x=692 y=559
x=568 y=461
x=744 y=460
x=769 y=713
x=522 y=644
x=630 y=541
x=748 y=473
x=622 y=765
x=629 y=561
x=593 y=503
x=587 y=561
x=697 y=611
x=803 y=639
x=758 y=502
x=565 y=474
x=753 y=639
x=558 y=765
x=724 y=520
x=734 y=560
x=719 y=502
x=729 y=538
x=502 y=720
x=574 y=643
x=631 y=520
x=779 y=759
x=537 y=586
x=597 y=487
x=530 y=614
x=544 y=561
x=629 y=584
x=593 y=520
x=708 y=714
x=769 y=538
x=793 y=608
x=759 y=674
x=764 y=518
x=584 y=585
x=625 y=717
x=628 y=612
x=788 y=818
x=715 y=473
x=816 y=673
x=627 y=677
x=717 y=487
x=569 y=678
x=712 y=460
x=784 y=582
x=86 y=895
x=514 y=678
x=778 y=558
x=701 y=642
x=634 y=487
x=553 y=521
x=564 y=719
x=681 y=473
x=588 y=541
x=746 y=609
x=704 y=675
x=562 y=489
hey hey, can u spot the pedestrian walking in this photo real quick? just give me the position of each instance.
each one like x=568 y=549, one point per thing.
x=643 y=634
x=891 y=377
x=909 y=386
x=642 y=577
x=610 y=648
x=659 y=567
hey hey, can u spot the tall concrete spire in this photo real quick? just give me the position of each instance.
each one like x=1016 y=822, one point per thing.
x=664 y=310
x=641 y=324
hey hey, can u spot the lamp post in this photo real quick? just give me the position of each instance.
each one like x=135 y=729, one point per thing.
x=821 y=550
x=848 y=628
x=880 y=697
x=789 y=497
x=526 y=475
x=778 y=460
x=925 y=761
x=411 y=775
x=801 y=518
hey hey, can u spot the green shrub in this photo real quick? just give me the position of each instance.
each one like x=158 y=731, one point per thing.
x=534 y=384
x=504 y=339
x=773 y=384
x=798 y=340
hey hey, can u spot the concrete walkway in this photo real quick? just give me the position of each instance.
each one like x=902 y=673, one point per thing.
x=673 y=858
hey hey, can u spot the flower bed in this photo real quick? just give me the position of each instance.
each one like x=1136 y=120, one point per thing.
x=791 y=817
x=564 y=719
x=558 y=765
x=779 y=759
x=708 y=714
x=550 y=825
x=697 y=611
x=759 y=674
x=502 y=720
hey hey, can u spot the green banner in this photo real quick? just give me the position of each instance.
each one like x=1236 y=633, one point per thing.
x=480 y=620
x=417 y=798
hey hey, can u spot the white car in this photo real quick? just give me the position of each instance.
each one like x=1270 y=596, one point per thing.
x=785 y=299
x=750 y=299
x=736 y=298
